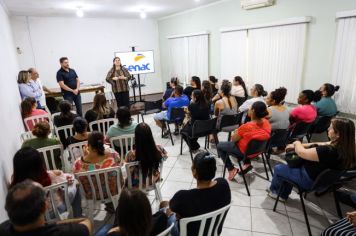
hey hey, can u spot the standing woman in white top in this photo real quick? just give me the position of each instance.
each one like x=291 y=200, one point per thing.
x=257 y=92
x=38 y=85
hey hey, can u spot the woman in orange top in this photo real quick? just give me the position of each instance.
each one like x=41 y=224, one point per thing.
x=258 y=128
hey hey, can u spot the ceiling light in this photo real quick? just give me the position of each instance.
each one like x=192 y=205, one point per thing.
x=197 y=0
x=143 y=15
x=80 y=12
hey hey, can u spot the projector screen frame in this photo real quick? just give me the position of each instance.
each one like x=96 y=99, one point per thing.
x=153 y=57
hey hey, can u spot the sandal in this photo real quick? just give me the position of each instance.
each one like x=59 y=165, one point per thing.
x=232 y=174
x=245 y=169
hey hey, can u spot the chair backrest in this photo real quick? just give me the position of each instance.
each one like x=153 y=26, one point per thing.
x=123 y=144
x=321 y=124
x=202 y=128
x=58 y=113
x=153 y=105
x=255 y=147
x=278 y=138
x=102 y=125
x=76 y=151
x=167 y=231
x=31 y=121
x=299 y=130
x=327 y=178
x=177 y=114
x=95 y=184
x=230 y=120
x=50 y=153
x=27 y=135
x=58 y=193
x=216 y=220
x=134 y=169
x=64 y=132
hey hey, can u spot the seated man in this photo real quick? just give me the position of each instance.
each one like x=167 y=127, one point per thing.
x=210 y=195
x=177 y=101
x=26 y=206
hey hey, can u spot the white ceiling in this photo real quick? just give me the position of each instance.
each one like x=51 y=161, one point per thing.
x=102 y=8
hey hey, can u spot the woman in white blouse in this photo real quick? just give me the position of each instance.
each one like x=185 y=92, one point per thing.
x=257 y=92
x=238 y=88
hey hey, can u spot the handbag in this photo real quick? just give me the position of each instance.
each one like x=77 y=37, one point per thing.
x=293 y=160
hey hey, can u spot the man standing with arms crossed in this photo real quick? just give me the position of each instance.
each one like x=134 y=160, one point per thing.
x=69 y=82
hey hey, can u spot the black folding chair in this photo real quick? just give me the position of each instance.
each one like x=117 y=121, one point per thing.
x=253 y=150
x=229 y=123
x=240 y=100
x=320 y=125
x=339 y=193
x=151 y=107
x=325 y=180
x=201 y=128
x=176 y=117
x=278 y=139
x=298 y=131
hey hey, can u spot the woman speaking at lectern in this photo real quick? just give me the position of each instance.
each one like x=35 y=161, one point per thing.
x=118 y=77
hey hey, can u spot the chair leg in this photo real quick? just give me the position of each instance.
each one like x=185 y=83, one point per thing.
x=264 y=164
x=305 y=212
x=337 y=204
x=206 y=142
x=138 y=118
x=181 y=144
x=224 y=171
x=142 y=118
x=279 y=194
x=229 y=137
x=170 y=134
x=243 y=176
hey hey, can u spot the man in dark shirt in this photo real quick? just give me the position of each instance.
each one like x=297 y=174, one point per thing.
x=69 y=82
x=26 y=206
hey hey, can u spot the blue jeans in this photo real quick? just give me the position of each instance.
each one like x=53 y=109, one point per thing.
x=296 y=175
x=77 y=99
x=103 y=231
x=224 y=149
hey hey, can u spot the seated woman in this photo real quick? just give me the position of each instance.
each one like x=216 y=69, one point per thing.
x=28 y=88
x=170 y=89
x=209 y=195
x=124 y=126
x=227 y=105
x=28 y=109
x=326 y=106
x=257 y=92
x=305 y=112
x=207 y=92
x=28 y=164
x=278 y=114
x=345 y=226
x=195 y=83
x=339 y=153
x=100 y=109
x=80 y=127
x=41 y=132
x=256 y=129
x=198 y=109
x=213 y=81
x=147 y=152
x=239 y=89
x=66 y=116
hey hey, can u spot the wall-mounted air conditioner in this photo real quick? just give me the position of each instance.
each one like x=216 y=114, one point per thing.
x=252 y=4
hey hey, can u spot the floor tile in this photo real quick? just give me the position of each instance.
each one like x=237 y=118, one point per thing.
x=268 y=221
x=238 y=218
x=260 y=199
x=297 y=222
x=169 y=188
x=235 y=232
x=181 y=175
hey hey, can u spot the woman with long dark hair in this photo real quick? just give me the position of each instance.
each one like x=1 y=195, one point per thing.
x=100 y=109
x=207 y=91
x=213 y=81
x=147 y=153
x=198 y=109
x=195 y=83
x=28 y=109
x=118 y=77
x=239 y=88
x=339 y=153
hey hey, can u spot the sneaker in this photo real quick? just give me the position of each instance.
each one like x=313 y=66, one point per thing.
x=274 y=196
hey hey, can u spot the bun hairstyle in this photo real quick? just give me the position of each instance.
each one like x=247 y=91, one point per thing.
x=205 y=166
x=278 y=95
x=260 y=109
x=213 y=79
x=226 y=88
x=175 y=81
x=310 y=95
x=317 y=95
x=80 y=125
x=330 y=89
x=41 y=129
x=96 y=142
x=260 y=90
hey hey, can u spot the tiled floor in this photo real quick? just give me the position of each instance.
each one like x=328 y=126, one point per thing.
x=252 y=216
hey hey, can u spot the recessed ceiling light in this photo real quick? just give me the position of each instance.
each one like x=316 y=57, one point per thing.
x=80 y=12
x=143 y=14
x=197 y=0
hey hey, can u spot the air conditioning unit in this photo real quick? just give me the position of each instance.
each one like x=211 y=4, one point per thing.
x=252 y=4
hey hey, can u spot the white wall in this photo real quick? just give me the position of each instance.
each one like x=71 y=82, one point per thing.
x=89 y=43
x=10 y=121
x=319 y=44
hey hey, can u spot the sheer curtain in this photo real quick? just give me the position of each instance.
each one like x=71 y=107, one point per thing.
x=344 y=70
x=275 y=58
x=189 y=56
x=234 y=54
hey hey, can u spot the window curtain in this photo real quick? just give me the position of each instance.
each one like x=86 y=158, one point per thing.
x=189 y=56
x=344 y=69
x=275 y=58
x=234 y=54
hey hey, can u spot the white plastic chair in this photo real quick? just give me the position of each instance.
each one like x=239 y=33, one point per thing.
x=221 y=213
x=108 y=91
x=76 y=150
x=27 y=135
x=102 y=125
x=94 y=192
x=167 y=231
x=124 y=143
x=148 y=185
x=48 y=153
x=67 y=130
x=52 y=195
x=33 y=120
